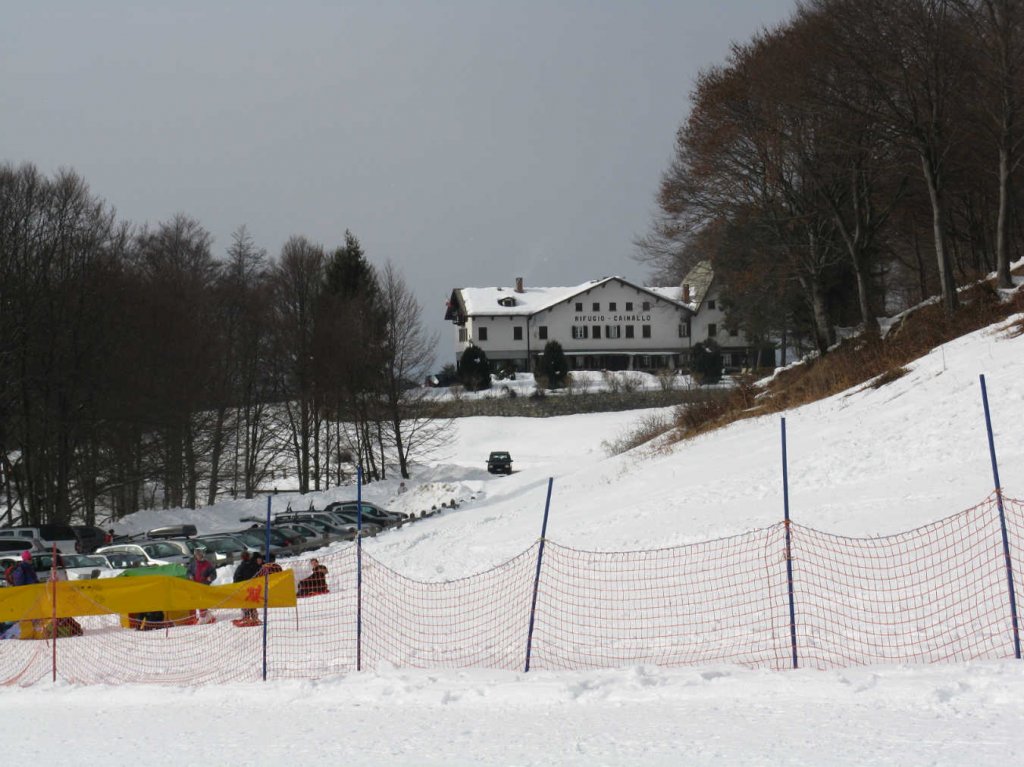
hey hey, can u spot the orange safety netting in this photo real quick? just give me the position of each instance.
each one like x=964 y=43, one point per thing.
x=937 y=593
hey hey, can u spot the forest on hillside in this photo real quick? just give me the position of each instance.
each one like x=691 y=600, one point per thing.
x=138 y=369
x=856 y=160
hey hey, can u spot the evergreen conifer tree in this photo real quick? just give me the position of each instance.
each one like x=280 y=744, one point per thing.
x=475 y=369
x=553 y=366
x=707 y=363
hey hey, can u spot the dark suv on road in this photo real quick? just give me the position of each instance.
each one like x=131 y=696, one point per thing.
x=499 y=462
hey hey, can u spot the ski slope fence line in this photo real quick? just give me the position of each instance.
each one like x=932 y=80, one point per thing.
x=938 y=593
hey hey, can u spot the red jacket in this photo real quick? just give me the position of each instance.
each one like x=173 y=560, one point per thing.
x=202 y=571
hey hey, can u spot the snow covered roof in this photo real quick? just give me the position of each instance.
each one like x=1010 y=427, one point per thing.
x=496 y=301
x=699 y=278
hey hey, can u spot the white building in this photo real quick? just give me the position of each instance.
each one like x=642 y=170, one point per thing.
x=605 y=324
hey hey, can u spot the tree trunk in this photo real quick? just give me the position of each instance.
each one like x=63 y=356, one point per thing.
x=215 y=454
x=1003 y=279
x=823 y=336
x=947 y=284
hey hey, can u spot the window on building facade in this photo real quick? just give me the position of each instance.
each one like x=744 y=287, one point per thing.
x=733 y=332
x=517 y=334
x=597 y=331
x=711 y=303
x=629 y=331
x=579 y=306
x=542 y=332
x=712 y=330
x=481 y=334
x=629 y=306
x=597 y=306
x=613 y=331
x=646 y=331
x=462 y=335
x=579 y=331
x=647 y=306
x=684 y=330
x=611 y=306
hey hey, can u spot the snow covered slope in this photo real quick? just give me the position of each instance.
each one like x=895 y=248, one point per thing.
x=864 y=462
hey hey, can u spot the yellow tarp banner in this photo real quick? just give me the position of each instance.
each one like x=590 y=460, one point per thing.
x=105 y=596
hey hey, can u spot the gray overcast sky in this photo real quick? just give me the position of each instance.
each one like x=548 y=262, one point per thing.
x=467 y=142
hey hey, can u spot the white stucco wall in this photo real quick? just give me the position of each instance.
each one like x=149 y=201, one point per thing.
x=664 y=318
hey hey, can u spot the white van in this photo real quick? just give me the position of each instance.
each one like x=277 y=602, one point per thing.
x=15 y=545
x=63 y=535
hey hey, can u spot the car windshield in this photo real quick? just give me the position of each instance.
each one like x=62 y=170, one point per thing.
x=251 y=537
x=318 y=525
x=355 y=505
x=84 y=560
x=222 y=545
x=162 y=550
x=499 y=456
x=123 y=561
x=351 y=517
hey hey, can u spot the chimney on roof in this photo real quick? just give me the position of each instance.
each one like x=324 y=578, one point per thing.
x=686 y=293
x=519 y=284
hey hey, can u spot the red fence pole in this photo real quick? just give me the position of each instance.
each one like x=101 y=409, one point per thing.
x=53 y=601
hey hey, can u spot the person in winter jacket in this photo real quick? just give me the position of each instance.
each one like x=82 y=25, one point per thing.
x=247 y=568
x=315 y=583
x=202 y=570
x=270 y=566
x=24 y=574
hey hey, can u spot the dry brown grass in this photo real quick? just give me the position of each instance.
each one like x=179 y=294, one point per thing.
x=861 y=361
x=888 y=377
x=649 y=428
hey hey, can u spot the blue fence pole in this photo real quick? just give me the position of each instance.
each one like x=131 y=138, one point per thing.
x=359 y=568
x=266 y=591
x=1002 y=521
x=789 y=551
x=536 y=578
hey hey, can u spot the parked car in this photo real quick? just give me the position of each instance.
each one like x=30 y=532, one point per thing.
x=18 y=545
x=48 y=535
x=6 y=560
x=139 y=551
x=283 y=540
x=347 y=520
x=172 y=551
x=184 y=545
x=369 y=526
x=77 y=566
x=125 y=560
x=315 y=538
x=290 y=535
x=324 y=522
x=371 y=512
x=89 y=537
x=173 y=531
x=224 y=548
x=256 y=540
x=499 y=462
